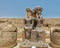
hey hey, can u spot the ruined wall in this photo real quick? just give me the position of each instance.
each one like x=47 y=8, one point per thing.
x=19 y=23
x=15 y=21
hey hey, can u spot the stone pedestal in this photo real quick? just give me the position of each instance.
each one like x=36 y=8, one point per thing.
x=36 y=44
x=33 y=35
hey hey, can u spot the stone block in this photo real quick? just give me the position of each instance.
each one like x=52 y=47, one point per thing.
x=33 y=35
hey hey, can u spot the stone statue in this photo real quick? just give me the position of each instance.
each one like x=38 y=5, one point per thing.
x=33 y=29
x=38 y=11
x=39 y=28
x=28 y=20
x=28 y=26
x=39 y=20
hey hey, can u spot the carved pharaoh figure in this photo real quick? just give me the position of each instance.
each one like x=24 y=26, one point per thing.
x=33 y=29
x=28 y=24
x=39 y=22
x=39 y=18
x=28 y=20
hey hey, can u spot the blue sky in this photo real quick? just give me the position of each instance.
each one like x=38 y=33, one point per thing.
x=17 y=8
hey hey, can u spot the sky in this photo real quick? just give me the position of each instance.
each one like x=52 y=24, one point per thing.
x=17 y=8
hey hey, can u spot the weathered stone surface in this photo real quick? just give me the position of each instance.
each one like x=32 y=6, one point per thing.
x=19 y=22
x=36 y=44
x=7 y=27
x=8 y=36
x=55 y=38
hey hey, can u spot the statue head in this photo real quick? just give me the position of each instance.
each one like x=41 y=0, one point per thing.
x=28 y=12
x=33 y=13
x=38 y=11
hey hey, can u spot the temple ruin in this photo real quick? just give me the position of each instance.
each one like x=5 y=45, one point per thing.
x=32 y=31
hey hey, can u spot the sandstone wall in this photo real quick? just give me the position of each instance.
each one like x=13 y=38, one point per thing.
x=19 y=23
